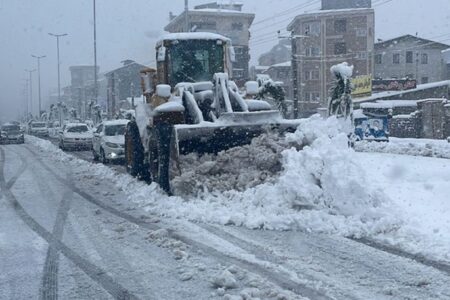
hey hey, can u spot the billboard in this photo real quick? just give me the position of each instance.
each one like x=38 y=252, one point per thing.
x=382 y=85
x=362 y=86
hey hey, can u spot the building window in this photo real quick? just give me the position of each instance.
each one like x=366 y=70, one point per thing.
x=424 y=80
x=361 y=32
x=340 y=26
x=199 y=26
x=361 y=55
x=396 y=59
x=238 y=50
x=238 y=73
x=409 y=57
x=340 y=48
x=312 y=96
x=424 y=59
x=312 y=75
x=378 y=59
x=312 y=29
x=237 y=26
x=312 y=51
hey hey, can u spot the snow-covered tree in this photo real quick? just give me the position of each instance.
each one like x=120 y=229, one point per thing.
x=340 y=103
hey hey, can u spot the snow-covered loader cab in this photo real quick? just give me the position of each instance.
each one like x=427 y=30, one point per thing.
x=192 y=106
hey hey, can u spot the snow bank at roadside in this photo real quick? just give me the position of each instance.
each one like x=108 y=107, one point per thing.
x=414 y=147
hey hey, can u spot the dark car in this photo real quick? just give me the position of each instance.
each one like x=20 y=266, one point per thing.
x=11 y=133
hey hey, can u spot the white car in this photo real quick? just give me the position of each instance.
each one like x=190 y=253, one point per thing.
x=38 y=129
x=75 y=136
x=109 y=141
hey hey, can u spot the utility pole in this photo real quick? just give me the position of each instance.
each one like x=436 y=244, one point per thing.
x=59 y=74
x=39 y=80
x=95 y=55
x=31 y=89
x=27 y=82
x=186 y=15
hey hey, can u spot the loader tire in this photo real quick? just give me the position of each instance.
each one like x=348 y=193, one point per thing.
x=134 y=151
x=159 y=156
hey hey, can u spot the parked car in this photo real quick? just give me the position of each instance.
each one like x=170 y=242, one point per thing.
x=11 y=133
x=109 y=141
x=75 y=136
x=38 y=129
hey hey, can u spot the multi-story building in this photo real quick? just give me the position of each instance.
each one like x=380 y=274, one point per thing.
x=81 y=78
x=282 y=72
x=225 y=19
x=446 y=58
x=342 y=33
x=410 y=57
x=279 y=53
x=123 y=83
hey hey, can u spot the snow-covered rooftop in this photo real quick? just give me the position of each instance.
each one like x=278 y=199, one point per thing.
x=390 y=104
x=420 y=87
x=284 y=64
x=192 y=36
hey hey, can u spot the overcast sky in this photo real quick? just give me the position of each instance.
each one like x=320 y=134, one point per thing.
x=128 y=29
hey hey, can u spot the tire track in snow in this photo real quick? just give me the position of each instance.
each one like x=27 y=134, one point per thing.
x=439 y=265
x=282 y=280
x=94 y=272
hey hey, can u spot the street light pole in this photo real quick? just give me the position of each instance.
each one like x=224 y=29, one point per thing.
x=59 y=74
x=31 y=89
x=39 y=80
x=95 y=56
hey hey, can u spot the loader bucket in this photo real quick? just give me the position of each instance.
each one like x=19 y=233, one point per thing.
x=230 y=130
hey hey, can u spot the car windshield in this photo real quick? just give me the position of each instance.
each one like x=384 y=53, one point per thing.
x=38 y=125
x=113 y=130
x=10 y=128
x=78 y=129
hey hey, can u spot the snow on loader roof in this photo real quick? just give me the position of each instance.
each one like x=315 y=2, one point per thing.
x=192 y=36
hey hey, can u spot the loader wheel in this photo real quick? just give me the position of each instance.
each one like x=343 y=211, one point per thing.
x=159 y=156
x=134 y=152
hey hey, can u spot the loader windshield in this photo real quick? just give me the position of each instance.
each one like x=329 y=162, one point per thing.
x=195 y=60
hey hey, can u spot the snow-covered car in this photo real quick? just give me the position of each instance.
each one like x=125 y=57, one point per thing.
x=75 y=136
x=38 y=129
x=109 y=141
x=11 y=133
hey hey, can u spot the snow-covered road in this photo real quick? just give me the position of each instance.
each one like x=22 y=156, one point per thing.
x=71 y=235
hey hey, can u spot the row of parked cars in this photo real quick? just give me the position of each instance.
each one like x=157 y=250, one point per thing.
x=107 y=140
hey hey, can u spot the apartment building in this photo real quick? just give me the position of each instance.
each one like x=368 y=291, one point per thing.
x=410 y=57
x=342 y=31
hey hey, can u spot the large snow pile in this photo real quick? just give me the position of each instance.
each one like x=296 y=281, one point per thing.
x=414 y=147
x=315 y=186
x=261 y=161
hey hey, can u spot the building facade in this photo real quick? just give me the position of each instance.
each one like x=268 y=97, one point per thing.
x=123 y=83
x=410 y=57
x=82 y=77
x=225 y=19
x=280 y=53
x=282 y=72
x=446 y=60
x=325 y=38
